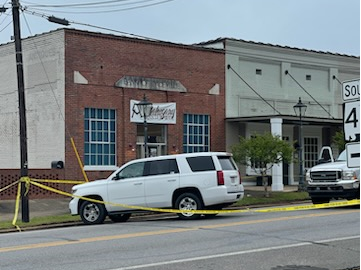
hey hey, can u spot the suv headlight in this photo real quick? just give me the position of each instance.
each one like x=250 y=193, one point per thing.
x=308 y=176
x=349 y=175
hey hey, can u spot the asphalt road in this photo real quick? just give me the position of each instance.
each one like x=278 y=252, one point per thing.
x=327 y=239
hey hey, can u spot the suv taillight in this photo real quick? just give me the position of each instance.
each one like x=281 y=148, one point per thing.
x=220 y=178
x=240 y=179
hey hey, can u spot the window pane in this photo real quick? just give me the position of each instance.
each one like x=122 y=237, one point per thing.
x=112 y=114
x=106 y=114
x=112 y=137
x=199 y=164
x=92 y=113
x=100 y=114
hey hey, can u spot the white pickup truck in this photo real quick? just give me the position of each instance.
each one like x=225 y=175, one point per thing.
x=332 y=179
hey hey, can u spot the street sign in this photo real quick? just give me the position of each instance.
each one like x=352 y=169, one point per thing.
x=351 y=120
x=351 y=90
x=353 y=155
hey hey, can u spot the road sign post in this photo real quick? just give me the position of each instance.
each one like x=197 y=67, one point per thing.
x=351 y=121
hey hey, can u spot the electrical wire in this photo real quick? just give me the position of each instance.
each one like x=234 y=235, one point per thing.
x=86 y=5
x=6 y=26
x=6 y=16
x=93 y=26
x=48 y=79
x=102 y=9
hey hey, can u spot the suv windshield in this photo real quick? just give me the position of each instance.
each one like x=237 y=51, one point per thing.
x=342 y=156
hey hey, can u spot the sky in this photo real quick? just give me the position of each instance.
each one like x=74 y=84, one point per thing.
x=320 y=25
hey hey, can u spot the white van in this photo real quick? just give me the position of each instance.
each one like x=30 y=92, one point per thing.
x=196 y=181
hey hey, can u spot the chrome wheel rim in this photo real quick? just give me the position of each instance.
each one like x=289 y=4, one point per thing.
x=187 y=203
x=91 y=212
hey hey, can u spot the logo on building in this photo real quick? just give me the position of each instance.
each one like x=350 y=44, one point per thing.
x=161 y=113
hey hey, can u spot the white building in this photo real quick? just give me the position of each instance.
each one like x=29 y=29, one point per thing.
x=264 y=82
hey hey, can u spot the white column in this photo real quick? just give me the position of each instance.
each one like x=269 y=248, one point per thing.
x=277 y=170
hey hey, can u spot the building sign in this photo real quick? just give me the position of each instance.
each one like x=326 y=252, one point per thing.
x=150 y=84
x=161 y=113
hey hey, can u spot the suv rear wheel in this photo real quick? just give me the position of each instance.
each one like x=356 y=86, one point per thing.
x=119 y=217
x=188 y=201
x=92 y=213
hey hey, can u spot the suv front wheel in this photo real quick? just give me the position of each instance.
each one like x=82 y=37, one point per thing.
x=92 y=213
x=188 y=201
x=320 y=200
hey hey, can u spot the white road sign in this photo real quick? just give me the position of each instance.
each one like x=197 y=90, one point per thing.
x=351 y=120
x=351 y=90
x=353 y=155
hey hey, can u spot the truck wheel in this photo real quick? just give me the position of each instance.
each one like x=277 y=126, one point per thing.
x=188 y=201
x=92 y=213
x=119 y=217
x=320 y=200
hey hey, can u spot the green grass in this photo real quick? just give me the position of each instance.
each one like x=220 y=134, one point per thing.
x=250 y=198
x=255 y=198
x=38 y=221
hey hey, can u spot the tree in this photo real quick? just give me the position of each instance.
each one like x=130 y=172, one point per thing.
x=339 y=140
x=262 y=152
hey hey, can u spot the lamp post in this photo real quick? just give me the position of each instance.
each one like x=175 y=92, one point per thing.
x=300 y=110
x=145 y=108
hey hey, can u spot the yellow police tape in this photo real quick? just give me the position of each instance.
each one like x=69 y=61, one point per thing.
x=35 y=182
x=8 y=186
x=292 y=208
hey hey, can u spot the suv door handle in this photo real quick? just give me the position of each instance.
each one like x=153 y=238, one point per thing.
x=138 y=184
x=172 y=180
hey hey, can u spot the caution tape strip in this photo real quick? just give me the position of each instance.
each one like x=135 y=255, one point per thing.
x=8 y=186
x=57 y=181
x=278 y=209
x=37 y=183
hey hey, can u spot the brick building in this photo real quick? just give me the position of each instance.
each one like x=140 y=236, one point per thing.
x=85 y=85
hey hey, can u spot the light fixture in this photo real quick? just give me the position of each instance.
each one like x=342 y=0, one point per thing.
x=145 y=109
x=300 y=110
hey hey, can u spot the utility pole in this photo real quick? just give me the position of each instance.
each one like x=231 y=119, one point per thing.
x=22 y=111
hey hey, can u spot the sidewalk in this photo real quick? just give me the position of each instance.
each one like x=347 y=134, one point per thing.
x=53 y=207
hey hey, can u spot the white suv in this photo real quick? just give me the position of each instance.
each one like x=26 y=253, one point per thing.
x=196 y=181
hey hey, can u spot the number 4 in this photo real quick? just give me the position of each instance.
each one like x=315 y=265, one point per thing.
x=352 y=118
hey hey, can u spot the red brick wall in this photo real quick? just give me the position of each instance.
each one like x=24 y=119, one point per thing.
x=104 y=59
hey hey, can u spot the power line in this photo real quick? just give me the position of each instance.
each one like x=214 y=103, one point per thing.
x=90 y=25
x=87 y=5
x=102 y=9
x=47 y=77
x=6 y=26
